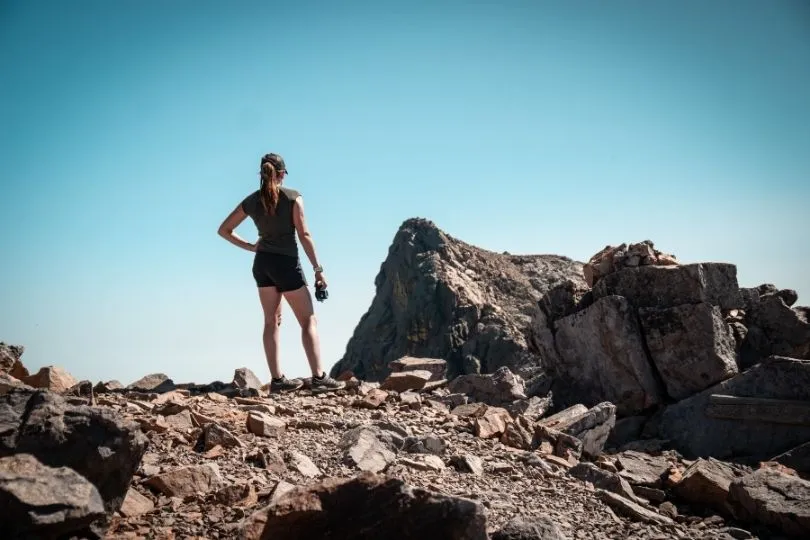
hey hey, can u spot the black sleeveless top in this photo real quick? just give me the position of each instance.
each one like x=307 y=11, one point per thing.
x=276 y=233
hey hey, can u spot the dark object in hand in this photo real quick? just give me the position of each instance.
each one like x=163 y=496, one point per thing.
x=321 y=293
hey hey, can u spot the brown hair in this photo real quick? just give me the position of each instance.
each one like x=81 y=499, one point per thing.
x=268 y=189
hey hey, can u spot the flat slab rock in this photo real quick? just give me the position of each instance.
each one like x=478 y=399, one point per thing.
x=694 y=432
x=779 y=500
x=378 y=507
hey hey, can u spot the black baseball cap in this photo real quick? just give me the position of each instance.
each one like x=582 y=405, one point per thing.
x=275 y=160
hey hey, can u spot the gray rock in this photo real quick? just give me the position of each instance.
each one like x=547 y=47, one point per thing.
x=378 y=507
x=9 y=383
x=11 y=360
x=797 y=458
x=107 y=387
x=156 y=382
x=499 y=388
x=368 y=448
x=669 y=286
x=694 y=433
x=468 y=463
x=691 y=345
x=774 y=499
x=602 y=479
x=592 y=427
x=529 y=528
x=244 y=378
x=602 y=358
x=631 y=509
x=533 y=408
x=45 y=502
x=774 y=328
x=436 y=366
x=642 y=469
x=95 y=442
x=438 y=297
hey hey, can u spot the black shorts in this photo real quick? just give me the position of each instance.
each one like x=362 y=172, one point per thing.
x=277 y=270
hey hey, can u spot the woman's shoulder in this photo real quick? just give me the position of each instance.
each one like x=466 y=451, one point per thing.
x=249 y=202
x=290 y=193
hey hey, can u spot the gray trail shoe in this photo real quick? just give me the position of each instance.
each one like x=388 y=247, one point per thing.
x=283 y=384
x=325 y=383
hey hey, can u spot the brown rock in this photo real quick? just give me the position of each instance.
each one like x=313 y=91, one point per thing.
x=519 y=434
x=379 y=508
x=492 y=423
x=374 y=399
x=136 y=504
x=264 y=425
x=707 y=481
x=406 y=380
x=301 y=463
x=189 y=480
x=216 y=435
x=51 y=378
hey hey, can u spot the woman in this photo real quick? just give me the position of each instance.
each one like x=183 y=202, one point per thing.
x=278 y=213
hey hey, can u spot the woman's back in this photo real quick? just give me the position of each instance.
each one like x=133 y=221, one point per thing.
x=276 y=232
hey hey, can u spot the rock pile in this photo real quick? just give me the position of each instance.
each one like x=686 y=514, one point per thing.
x=475 y=461
x=614 y=258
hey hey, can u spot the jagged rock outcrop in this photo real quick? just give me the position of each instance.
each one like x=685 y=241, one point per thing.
x=773 y=326
x=10 y=360
x=438 y=297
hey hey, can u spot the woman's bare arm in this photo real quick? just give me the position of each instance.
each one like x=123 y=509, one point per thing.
x=232 y=222
x=305 y=237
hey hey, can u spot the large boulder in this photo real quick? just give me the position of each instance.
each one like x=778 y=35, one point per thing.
x=669 y=286
x=758 y=413
x=45 y=502
x=773 y=498
x=602 y=358
x=438 y=297
x=95 y=442
x=367 y=506
x=691 y=345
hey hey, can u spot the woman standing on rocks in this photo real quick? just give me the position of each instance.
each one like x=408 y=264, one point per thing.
x=278 y=213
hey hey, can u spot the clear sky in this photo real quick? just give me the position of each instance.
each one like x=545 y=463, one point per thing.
x=129 y=130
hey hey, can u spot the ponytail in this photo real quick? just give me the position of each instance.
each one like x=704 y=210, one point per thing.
x=268 y=190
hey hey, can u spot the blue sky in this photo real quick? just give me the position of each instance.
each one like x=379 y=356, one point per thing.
x=128 y=130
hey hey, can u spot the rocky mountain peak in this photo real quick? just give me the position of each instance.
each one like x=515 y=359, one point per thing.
x=438 y=296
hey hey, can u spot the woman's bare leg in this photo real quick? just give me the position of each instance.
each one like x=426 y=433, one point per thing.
x=300 y=301
x=271 y=304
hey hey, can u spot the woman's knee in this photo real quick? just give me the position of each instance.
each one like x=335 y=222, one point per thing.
x=309 y=322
